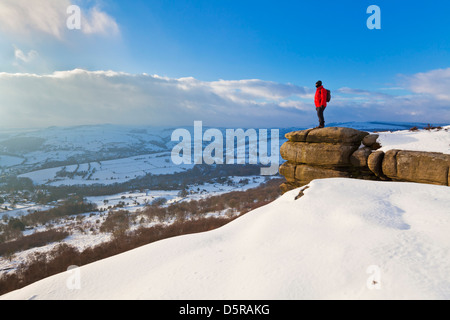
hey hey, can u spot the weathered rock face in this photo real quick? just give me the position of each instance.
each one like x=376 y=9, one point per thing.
x=370 y=141
x=301 y=174
x=360 y=157
x=321 y=153
x=336 y=135
x=416 y=166
x=375 y=162
x=345 y=152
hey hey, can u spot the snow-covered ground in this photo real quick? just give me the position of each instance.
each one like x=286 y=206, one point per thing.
x=107 y=172
x=83 y=237
x=394 y=233
x=434 y=140
x=368 y=240
x=9 y=161
x=138 y=200
x=24 y=209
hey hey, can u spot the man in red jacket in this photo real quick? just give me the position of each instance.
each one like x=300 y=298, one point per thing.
x=320 y=101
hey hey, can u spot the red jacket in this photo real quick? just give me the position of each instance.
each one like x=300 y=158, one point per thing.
x=321 y=97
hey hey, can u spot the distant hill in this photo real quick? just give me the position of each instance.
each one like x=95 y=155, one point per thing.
x=26 y=151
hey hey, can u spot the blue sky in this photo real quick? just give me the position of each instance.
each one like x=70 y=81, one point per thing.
x=400 y=72
x=287 y=41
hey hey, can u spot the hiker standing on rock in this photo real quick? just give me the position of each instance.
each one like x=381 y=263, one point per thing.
x=320 y=100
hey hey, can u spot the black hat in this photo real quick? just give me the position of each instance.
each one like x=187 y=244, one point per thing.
x=319 y=83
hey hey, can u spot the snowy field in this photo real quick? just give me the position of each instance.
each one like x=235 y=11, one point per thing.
x=10 y=161
x=137 y=200
x=369 y=240
x=86 y=231
x=308 y=248
x=23 y=151
x=422 y=140
x=107 y=172
x=122 y=170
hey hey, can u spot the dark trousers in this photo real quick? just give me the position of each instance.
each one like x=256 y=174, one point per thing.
x=320 y=111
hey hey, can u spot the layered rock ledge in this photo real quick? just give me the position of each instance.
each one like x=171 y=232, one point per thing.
x=345 y=152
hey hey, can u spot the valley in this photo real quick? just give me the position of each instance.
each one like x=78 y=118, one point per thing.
x=95 y=191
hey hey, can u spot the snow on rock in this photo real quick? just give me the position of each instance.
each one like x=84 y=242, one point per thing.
x=422 y=140
x=332 y=243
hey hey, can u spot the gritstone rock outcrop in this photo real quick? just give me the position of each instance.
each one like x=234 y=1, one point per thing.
x=344 y=152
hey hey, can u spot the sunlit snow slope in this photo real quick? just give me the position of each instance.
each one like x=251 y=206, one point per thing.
x=322 y=246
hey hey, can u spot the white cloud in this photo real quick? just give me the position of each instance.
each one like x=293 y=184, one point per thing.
x=300 y=105
x=365 y=105
x=435 y=83
x=254 y=88
x=97 y=22
x=87 y=97
x=30 y=18
x=26 y=17
x=24 y=57
x=28 y=60
x=90 y=97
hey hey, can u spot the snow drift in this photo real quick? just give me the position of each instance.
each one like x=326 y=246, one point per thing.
x=343 y=239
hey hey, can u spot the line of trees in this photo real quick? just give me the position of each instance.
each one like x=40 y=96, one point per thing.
x=198 y=174
x=45 y=264
x=13 y=227
x=235 y=201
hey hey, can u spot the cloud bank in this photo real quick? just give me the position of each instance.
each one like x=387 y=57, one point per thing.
x=434 y=83
x=27 y=18
x=79 y=96
x=88 y=97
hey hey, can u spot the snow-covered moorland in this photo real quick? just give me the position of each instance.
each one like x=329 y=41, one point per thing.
x=85 y=229
x=343 y=239
x=368 y=240
x=434 y=140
